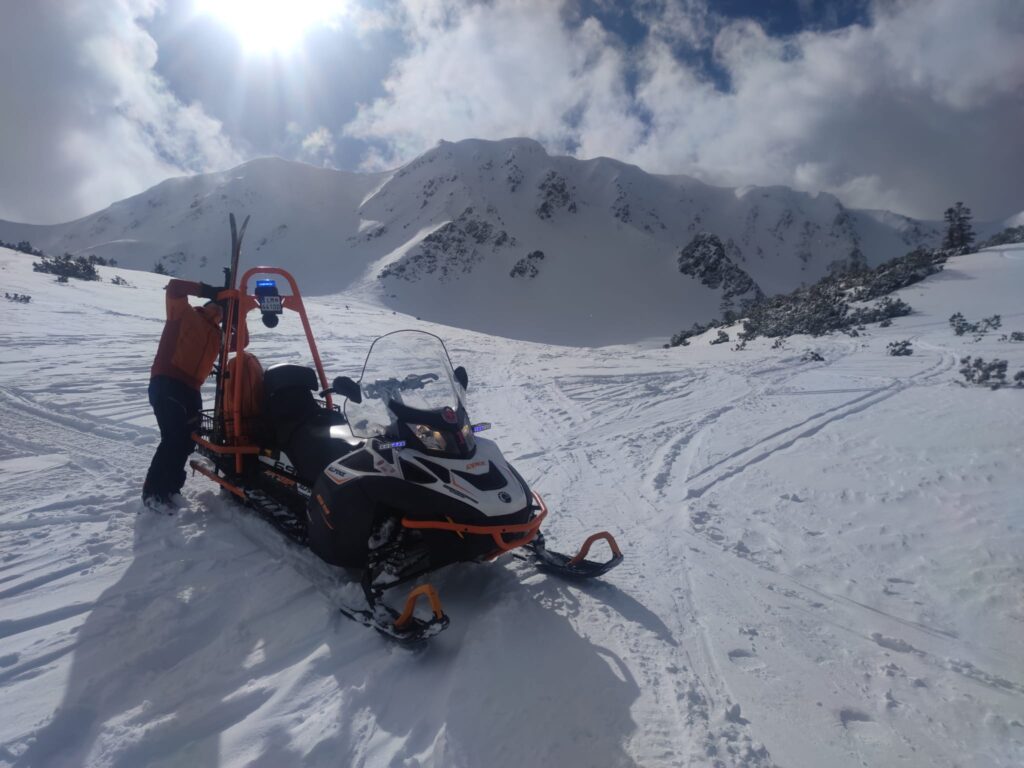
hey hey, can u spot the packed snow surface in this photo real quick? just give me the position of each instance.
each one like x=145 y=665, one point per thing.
x=824 y=560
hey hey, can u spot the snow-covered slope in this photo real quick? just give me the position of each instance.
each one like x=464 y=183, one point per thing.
x=824 y=559
x=493 y=236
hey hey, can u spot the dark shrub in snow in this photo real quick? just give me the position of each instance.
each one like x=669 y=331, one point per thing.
x=721 y=338
x=1007 y=236
x=961 y=326
x=78 y=267
x=900 y=348
x=977 y=371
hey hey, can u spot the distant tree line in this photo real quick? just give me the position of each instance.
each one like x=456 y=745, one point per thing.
x=24 y=246
x=825 y=306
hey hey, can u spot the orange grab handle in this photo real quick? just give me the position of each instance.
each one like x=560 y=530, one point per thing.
x=410 y=603
x=585 y=549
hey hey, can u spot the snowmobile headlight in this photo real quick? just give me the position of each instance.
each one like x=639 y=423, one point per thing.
x=431 y=438
x=467 y=436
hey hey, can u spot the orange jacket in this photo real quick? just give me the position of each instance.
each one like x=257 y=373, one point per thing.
x=190 y=342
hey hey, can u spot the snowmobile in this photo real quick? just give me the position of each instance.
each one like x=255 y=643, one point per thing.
x=395 y=484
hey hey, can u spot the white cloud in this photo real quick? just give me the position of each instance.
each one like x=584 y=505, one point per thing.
x=86 y=120
x=491 y=71
x=318 y=147
x=920 y=108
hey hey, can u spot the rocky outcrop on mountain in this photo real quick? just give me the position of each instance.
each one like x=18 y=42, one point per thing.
x=555 y=195
x=528 y=266
x=451 y=250
x=705 y=258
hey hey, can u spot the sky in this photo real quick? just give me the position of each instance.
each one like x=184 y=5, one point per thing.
x=908 y=105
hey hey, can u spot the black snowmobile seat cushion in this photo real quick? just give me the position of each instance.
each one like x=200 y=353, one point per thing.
x=288 y=400
x=288 y=376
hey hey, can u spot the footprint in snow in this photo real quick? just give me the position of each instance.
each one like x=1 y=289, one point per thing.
x=847 y=716
x=895 y=644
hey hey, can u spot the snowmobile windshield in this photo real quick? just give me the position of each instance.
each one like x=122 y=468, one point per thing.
x=404 y=370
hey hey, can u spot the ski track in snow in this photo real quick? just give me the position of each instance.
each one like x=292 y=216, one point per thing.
x=817 y=571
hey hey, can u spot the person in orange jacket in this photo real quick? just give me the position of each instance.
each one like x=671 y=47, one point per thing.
x=189 y=346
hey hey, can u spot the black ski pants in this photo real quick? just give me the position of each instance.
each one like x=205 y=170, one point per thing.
x=177 y=408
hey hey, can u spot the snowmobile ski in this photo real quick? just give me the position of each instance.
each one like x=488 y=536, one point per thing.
x=577 y=566
x=404 y=628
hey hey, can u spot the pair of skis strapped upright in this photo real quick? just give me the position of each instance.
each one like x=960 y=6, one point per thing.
x=230 y=310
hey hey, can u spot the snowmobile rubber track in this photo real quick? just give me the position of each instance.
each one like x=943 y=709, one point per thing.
x=403 y=628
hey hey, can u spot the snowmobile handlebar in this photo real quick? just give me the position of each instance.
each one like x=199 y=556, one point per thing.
x=383 y=388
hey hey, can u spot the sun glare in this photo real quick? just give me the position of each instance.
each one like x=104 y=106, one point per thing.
x=271 y=26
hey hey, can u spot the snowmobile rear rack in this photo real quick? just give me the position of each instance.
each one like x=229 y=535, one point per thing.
x=240 y=302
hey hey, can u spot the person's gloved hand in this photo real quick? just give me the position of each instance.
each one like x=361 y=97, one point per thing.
x=208 y=291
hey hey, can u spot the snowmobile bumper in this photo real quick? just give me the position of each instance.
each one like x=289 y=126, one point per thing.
x=521 y=533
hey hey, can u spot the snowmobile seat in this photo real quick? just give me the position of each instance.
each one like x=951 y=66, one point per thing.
x=288 y=399
x=297 y=424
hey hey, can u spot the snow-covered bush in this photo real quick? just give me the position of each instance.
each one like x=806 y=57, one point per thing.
x=78 y=267
x=900 y=348
x=682 y=338
x=986 y=374
x=24 y=246
x=118 y=280
x=961 y=326
x=1006 y=237
x=811 y=356
x=892 y=275
x=19 y=298
x=817 y=309
x=721 y=338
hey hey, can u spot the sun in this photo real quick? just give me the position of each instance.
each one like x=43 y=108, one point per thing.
x=271 y=26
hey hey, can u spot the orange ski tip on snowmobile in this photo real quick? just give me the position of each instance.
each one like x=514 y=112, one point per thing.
x=424 y=590
x=585 y=549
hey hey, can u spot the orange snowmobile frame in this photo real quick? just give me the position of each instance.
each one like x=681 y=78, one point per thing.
x=238 y=340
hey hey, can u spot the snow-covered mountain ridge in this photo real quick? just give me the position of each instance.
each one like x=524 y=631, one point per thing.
x=497 y=236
